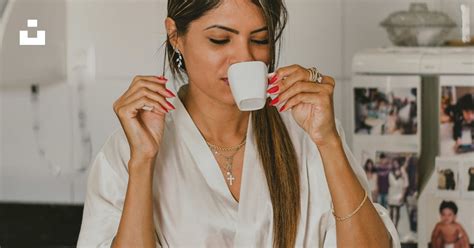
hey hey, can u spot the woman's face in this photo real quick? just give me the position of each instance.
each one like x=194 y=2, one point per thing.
x=234 y=32
x=395 y=165
x=370 y=165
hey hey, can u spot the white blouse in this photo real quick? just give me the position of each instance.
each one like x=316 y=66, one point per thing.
x=193 y=206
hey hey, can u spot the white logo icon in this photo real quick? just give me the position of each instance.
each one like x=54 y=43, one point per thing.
x=39 y=40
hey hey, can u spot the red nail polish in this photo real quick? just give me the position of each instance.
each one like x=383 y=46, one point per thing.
x=273 y=79
x=273 y=90
x=171 y=93
x=164 y=109
x=162 y=78
x=171 y=105
x=274 y=101
x=282 y=108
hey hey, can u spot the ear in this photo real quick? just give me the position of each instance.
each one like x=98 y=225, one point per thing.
x=172 y=32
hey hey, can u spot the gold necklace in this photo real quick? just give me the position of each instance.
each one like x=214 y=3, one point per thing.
x=232 y=148
x=229 y=159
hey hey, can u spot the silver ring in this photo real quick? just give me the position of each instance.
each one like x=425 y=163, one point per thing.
x=147 y=108
x=315 y=75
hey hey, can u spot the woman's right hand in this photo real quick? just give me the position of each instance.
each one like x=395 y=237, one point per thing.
x=144 y=128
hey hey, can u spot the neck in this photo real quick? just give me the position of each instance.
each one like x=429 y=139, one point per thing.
x=220 y=124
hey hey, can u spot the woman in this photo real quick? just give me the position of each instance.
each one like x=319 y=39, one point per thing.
x=260 y=180
x=398 y=181
x=371 y=173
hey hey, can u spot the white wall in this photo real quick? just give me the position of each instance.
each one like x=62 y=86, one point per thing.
x=121 y=38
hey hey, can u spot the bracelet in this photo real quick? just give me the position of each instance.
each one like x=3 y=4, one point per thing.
x=351 y=214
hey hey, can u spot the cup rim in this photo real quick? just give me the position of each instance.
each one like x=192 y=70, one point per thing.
x=248 y=62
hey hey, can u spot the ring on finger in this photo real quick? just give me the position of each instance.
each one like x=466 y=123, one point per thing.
x=315 y=75
x=147 y=108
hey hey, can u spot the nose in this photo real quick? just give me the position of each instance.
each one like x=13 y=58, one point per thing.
x=242 y=52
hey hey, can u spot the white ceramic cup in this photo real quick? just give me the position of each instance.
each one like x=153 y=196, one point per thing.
x=248 y=82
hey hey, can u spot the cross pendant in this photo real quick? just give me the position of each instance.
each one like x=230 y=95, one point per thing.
x=230 y=178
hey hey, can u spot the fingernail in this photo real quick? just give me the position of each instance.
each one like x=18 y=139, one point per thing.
x=273 y=90
x=282 y=108
x=164 y=109
x=171 y=93
x=162 y=78
x=274 y=101
x=170 y=105
x=273 y=79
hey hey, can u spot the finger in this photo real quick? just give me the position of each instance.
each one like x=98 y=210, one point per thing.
x=300 y=87
x=129 y=113
x=128 y=116
x=131 y=109
x=306 y=97
x=153 y=86
x=140 y=81
x=289 y=76
x=328 y=80
x=156 y=79
x=281 y=73
x=311 y=98
x=301 y=74
x=144 y=92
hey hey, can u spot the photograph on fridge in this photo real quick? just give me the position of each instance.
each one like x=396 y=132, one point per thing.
x=386 y=106
x=456 y=119
x=466 y=173
x=449 y=232
x=393 y=182
x=447 y=173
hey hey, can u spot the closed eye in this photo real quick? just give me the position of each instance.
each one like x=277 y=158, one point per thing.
x=219 y=42
x=222 y=42
x=261 y=42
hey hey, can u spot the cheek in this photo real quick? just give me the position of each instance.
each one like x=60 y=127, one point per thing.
x=204 y=57
x=262 y=54
x=205 y=64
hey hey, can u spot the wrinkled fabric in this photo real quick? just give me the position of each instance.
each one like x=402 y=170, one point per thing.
x=193 y=206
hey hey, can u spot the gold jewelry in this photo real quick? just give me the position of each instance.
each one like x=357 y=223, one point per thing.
x=228 y=166
x=351 y=214
x=315 y=75
x=232 y=148
x=228 y=159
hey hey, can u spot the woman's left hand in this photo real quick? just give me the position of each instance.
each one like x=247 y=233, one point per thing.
x=311 y=103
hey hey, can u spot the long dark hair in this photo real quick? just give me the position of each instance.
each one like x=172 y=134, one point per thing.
x=275 y=148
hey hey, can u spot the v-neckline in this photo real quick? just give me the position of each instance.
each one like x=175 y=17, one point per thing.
x=205 y=160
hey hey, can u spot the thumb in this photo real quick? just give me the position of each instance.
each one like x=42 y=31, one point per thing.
x=154 y=123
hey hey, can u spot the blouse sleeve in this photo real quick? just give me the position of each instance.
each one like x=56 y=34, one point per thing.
x=105 y=195
x=328 y=224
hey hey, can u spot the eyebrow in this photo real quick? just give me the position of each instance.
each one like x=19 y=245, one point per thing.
x=235 y=31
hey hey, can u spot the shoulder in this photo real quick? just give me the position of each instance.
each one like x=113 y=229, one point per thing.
x=437 y=227
x=458 y=225
x=116 y=150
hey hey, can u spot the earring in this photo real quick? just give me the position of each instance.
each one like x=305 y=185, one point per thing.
x=179 y=60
